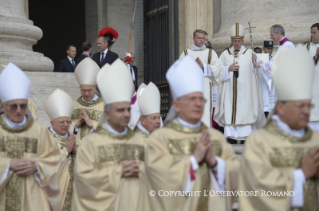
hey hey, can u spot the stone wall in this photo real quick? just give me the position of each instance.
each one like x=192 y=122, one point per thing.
x=44 y=83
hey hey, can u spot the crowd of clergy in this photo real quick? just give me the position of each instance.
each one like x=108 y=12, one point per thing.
x=94 y=157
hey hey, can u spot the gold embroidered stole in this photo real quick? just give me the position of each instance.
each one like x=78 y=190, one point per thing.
x=140 y=132
x=120 y=151
x=237 y=54
x=186 y=147
x=15 y=147
x=68 y=198
x=92 y=113
x=292 y=157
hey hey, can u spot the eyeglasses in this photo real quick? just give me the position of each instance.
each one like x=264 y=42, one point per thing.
x=14 y=107
x=303 y=106
x=194 y=99
x=64 y=122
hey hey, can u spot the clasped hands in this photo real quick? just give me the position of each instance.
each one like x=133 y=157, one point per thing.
x=23 y=166
x=129 y=168
x=71 y=144
x=203 y=150
x=84 y=118
x=310 y=163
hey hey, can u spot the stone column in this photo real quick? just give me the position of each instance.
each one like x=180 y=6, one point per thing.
x=295 y=16
x=194 y=14
x=18 y=35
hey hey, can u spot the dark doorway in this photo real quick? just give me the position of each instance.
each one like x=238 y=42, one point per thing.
x=161 y=45
x=62 y=23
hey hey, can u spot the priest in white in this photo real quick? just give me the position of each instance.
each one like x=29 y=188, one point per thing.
x=313 y=48
x=88 y=108
x=277 y=33
x=240 y=105
x=185 y=155
x=29 y=157
x=283 y=157
x=149 y=102
x=59 y=107
x=207 y=59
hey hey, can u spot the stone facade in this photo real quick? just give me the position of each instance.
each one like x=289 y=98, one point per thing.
x=44 y=83
x=18 y=35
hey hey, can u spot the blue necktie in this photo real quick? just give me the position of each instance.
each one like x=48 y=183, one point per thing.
x=102 y=58
x=73 y=63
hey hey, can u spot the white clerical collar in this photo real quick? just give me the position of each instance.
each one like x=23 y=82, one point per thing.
x=53 y=131
x=189 y=125
x=16 y=125
x=284 y=127
x=142 y=128
x=111 y=130
x=242 y=46
x=194 y=47
x=91 y=101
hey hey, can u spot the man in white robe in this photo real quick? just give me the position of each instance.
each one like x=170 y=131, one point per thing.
x=277 y=33
x=239 y=106
x=207 y=59
x=313 y=48
x=280 y=162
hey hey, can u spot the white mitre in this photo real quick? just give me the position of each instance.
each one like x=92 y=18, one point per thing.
x=2 y=65
x=300 y=69
x=115 y=83
x=14 y=84
x=59 y=104
x=184 y=77
x=86 y=72
x=237 y=31
x=149 y=99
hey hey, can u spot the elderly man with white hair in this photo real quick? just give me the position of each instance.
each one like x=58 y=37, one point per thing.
x=109 y=168
x=149 y=101
x=283 y=157
x=185 y=155
x=59 y=107
x=29 y=157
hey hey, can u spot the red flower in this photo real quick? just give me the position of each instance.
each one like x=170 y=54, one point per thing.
x=108 y=30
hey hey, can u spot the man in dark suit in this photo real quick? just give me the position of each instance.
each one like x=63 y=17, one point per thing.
x=67 y=64
x=133 y=70
x=87 y=51
x=104 y=41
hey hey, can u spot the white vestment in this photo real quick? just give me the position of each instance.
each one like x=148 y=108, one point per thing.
x=314 y=115
x=212 y=70
x=239 y=106
x=266 y=71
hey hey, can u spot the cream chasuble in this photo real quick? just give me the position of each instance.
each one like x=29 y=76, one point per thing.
x=33 y=109
x=314 y=115
x=240 y=100
x=168 y=165
x=66 y=179
x=34 y=142
x=94 y=111
x=141 y=133
x=98 y=181
x=268 y=163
